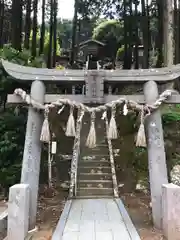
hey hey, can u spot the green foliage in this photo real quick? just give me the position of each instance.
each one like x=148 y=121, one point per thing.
x=120 y=53
x=12 y=128
x=111 y=33
x=23 y=58
x=172 y=115
x=175 y=160
x=60 y=67
x=95 y=8
x=108 y=30
x=46 y=43
x=64 y=28
x=140 y=161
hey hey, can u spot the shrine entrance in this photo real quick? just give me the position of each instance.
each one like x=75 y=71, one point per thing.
x=88 y=173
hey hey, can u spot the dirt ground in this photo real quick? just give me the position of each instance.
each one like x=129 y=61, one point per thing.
x=50 y=208
x=51 y=204
x=138 y=206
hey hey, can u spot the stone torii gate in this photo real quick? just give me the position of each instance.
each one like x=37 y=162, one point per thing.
x=94 y=81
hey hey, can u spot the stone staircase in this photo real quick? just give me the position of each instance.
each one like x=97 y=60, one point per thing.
x=94 y=176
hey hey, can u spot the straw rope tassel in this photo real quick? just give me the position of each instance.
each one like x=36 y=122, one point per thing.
x=45 y=132
x=141 y=138
x=112 y=131
x=91 y=139
x=70 y=128
x=125 y=108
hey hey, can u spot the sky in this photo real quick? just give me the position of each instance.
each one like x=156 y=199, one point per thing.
x=66 y=9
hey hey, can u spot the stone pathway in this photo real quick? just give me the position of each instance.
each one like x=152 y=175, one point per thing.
x=3 y=206
x=3 y=222
x=95 y=219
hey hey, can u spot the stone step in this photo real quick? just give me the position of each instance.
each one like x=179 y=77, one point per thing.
x=94 y=157
x=95 y=183
x=94 y=163
x=94 y=176
x=95 y=191
x=97 y=150
x=98 y=145
x=93 y=169
x=93 y=197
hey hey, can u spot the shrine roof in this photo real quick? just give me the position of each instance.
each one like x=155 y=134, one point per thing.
x=91 y=41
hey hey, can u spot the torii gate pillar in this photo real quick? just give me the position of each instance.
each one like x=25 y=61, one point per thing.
x=156 y=154
x=32 y=150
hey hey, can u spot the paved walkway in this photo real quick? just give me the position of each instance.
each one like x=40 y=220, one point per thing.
x=3 y=207
x=95 y=219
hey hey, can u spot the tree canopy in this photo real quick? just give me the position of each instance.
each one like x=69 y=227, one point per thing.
x=109 y=32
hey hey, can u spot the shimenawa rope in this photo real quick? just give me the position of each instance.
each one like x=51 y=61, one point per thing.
x=145 y=110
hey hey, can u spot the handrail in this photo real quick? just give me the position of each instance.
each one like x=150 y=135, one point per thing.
x=53 y=75
x=3 y=221
x=76 y=151
x=113 y=171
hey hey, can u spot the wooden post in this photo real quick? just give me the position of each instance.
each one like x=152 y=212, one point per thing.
x=156 y=154
x=32 y=150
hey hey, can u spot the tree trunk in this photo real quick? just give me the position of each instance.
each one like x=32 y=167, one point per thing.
x=49 y=62
x=145 y=24
x=125 y=62
x=55 y=33
x=176 y=33
x=168 y=33
x=177 y=38
x=27 y=24
x=1 y=23
x=34 y=37
x=159 y=41
x=168 y=37
x=13 y=24
x=16 y=23
x=131 y=40
x=178 y=30
x=41 y=47
x=136 y=55
x=73 y=49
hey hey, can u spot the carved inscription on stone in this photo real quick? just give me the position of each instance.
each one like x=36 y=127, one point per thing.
x=93 y=87
x=155 y=137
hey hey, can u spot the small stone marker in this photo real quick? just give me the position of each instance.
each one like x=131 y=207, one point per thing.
x=18 y=212
x=171 y=211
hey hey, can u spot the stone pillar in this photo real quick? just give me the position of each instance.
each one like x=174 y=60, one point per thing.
x=156 y=154
x=171 y=211
x=18 y=212
x=32 y=150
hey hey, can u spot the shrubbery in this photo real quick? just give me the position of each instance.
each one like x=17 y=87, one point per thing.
x=12 y=122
